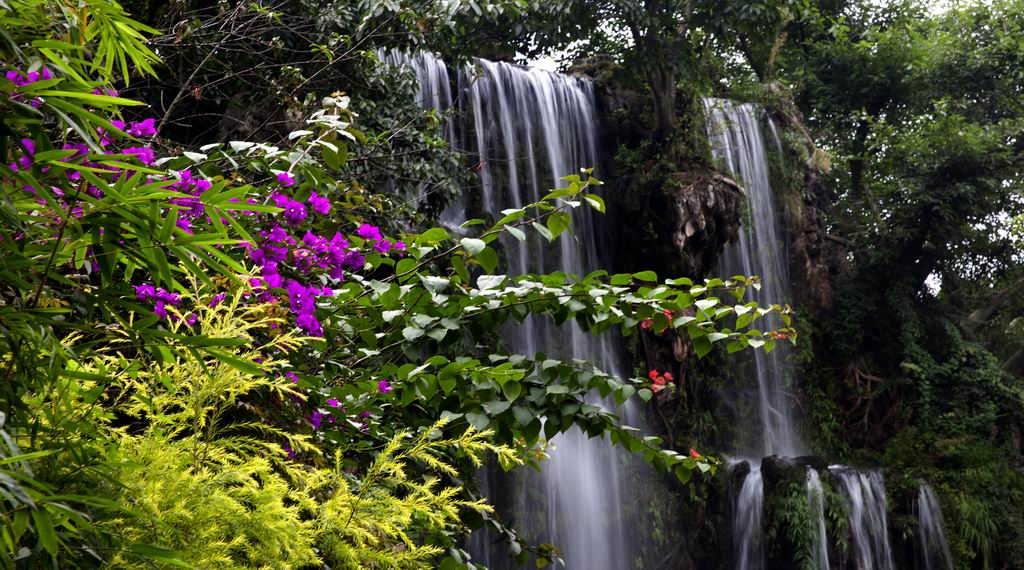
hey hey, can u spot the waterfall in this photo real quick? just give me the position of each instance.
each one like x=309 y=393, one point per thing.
x=746 y=524
x=736 y=140
x=865 y=496
x=734 y=132
x=434 y=90
x=816 y=504
x=526 y=129
x=931 y=532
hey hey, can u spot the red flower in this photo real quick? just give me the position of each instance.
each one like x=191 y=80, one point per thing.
x=646 y=324
x=693 y=453
x=652 y=374
x=668 y=376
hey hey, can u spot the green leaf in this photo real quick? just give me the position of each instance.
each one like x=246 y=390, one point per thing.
x=744 y=320
x=488 y=259
x=473 y=245
x=702 y=346
x=43 y=525
x=496 y=407
x=683 y=474
x=103 y=100
x=460 y=268
x=233 y=361
x=405 y=265
x=516 y=233
x=543 y=231
x=165 y=555
x=522 y=415
x=432 y=236
x=511 y=390
x=645 y=276
x=558 y=222
x=485 y=282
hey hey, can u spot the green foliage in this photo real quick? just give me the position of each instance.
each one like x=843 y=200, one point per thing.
x=203 y=474
x=791 y=517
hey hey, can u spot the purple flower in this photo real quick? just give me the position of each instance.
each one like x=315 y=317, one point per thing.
x=319 y=204
x=217 y=299
x=368 y=232
x=315 y=419
x=295 y=212
x=285 y=179
x=300 y=298
x=288 y=449
x=333 y=403
x=309 y=324
x=399 y=246
x=105 y=139
x=144 y=154
x=160 y=310
x=382 y=246
x=191 y=319
x=278 y=234
x=384 y=387
x=21 y=79
x=364 y=415
x=144 y=292
x=280 y=200
x=291 y=376
x=169 y=298
x=144 y=128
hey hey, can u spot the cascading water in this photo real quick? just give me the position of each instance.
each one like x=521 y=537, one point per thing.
x=532 y=128
x=869 y=526
x=816 y=505
x=734 y=132
x=736 y=141
x=434 y=89
x=746 y=522
x=528 y=129
x=933 y=549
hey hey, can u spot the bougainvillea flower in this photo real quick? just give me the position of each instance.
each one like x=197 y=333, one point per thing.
x=384 y=387
x=319 y=204
x=285 y=179
x=382 y=246
x=315 y=419
x=368 y=232
x=144 y=128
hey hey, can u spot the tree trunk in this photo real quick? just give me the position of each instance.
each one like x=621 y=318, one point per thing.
x=663 y=86
x=983 y=313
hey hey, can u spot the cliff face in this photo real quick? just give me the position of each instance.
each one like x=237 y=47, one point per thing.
x=670 y=210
